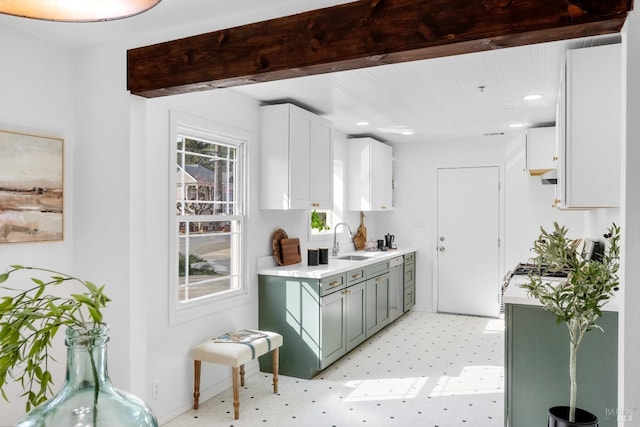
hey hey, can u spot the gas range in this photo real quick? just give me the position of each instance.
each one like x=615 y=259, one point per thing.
x=519 y=276
x=524 y=269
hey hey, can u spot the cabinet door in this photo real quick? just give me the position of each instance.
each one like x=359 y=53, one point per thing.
x=358 y=174
x=377 y=303
x=381 y=176
x=332 y=345
x=299 y=152
x=355 y=317
x=541 y=150
x=382 y=300
x=593 y=128
x=320 y=167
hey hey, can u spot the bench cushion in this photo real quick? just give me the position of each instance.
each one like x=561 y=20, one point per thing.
x=235 y=354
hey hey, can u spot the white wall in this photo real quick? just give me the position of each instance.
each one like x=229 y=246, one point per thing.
x=527 y=201
x=36 y=97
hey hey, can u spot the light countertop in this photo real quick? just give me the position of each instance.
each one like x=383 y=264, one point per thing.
x=515 y=294
x=335 y=266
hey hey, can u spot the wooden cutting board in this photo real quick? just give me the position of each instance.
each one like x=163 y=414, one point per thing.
x=360 y=239
x=290 y=251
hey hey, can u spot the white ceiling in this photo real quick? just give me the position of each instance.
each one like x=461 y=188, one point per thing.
x=453 y=98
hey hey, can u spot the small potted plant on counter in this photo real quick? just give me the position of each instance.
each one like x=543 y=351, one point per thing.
x=577 y=301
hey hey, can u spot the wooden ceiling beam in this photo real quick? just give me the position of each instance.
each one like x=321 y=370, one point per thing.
x=361 y=34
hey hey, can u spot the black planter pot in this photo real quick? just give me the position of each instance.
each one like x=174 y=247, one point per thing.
x=559 y=417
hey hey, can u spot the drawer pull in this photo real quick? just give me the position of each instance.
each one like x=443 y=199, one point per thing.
x=379 y=279
x=356 y=276
x=334 y=283
x=346 y=292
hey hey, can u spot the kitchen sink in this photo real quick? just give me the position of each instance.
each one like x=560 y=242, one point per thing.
x=354 y=257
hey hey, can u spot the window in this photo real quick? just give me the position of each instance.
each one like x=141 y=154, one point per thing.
x=209 y=211
x=319 y=221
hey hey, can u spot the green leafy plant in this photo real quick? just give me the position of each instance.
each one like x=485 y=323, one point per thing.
x=319 y=221
x=577 y=302
x=29 y=321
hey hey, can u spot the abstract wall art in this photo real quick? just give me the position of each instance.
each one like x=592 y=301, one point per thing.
x=31 y=188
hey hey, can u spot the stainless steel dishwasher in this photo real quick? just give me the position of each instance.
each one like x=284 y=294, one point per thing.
x=396 y=287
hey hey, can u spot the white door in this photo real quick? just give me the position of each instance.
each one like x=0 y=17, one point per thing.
x=468 y=245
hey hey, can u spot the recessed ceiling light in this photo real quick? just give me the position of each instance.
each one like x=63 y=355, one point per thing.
x=516 y=125
x=399 y=129
x=363 y=123
x=532 y=97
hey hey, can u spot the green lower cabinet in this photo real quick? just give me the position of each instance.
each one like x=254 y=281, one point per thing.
x=409 y=281
x=291 y=307
x=537 y=367
x=355 y=315
x=377 y=303
x=317 y=330
x=333 y=327
x=321 y=320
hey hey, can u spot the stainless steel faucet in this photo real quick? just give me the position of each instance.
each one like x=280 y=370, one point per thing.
x=336 y=245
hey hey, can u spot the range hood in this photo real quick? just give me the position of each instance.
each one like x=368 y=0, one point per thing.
x=550 y=178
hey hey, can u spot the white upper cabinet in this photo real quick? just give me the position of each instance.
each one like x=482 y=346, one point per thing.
x=541 y=150
x=369 y=175
x=296 y=159
x=590 y=129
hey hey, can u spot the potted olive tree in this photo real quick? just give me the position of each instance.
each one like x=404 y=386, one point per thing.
x=30 y=317
x=577 y=301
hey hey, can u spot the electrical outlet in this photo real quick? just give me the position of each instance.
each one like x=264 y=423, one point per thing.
x=155 y=389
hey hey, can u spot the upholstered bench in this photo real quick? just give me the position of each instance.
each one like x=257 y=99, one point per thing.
x=235 y=354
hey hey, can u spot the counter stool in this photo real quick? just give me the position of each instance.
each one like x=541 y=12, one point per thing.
x=235 y=354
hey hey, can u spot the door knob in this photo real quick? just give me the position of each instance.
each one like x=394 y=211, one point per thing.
x=441 y=248
x=442 y=238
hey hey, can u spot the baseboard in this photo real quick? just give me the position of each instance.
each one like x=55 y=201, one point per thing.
x=207 y=393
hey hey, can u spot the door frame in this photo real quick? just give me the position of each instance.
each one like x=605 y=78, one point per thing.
x=434 y=219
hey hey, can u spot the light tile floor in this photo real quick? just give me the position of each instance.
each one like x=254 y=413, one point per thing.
x=425 y=369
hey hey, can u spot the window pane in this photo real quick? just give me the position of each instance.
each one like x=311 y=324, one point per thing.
x=207 y=249
x=206 y=178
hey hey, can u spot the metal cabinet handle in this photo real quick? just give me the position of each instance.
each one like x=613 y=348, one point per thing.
x=356 y=276
x=334 y=283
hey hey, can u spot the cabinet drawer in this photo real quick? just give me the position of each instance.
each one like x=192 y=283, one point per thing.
x=332 y=283
x=409 y=274
x=377 y=269
x=409 y=258
x=355 y=276
x=409 y=298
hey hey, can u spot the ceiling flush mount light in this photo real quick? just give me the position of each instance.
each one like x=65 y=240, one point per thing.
x=516 y=125
x=75 y=10
x=363 y=123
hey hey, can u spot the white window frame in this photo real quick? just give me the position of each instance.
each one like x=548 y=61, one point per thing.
x=182 y=124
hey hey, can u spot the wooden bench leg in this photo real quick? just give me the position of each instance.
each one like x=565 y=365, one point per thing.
x=236 y=393
x=242 y=375
x=196 y=383
x=276 y=363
